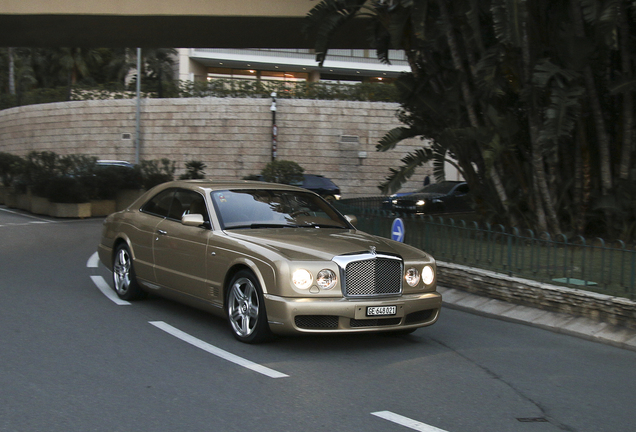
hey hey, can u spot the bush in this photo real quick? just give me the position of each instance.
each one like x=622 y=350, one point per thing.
x=67 y=190
x=286 y=172
x=194 y=171
x=156 y=172
x=10 y=166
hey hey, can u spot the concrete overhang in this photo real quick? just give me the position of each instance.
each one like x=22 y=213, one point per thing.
x=165 y=23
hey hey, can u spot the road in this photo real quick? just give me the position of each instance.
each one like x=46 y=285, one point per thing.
x=72 y=359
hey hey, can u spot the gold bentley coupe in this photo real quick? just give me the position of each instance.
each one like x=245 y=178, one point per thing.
x=271 y=258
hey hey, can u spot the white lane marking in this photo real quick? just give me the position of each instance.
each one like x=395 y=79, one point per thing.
x=93 y=261
x=406 y=422
x=107 y=291
x=38 y=219
x=217 y=351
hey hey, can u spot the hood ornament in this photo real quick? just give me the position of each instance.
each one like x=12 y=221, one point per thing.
x=372 y=250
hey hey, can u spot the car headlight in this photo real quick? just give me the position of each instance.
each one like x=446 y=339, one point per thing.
x=428 y=274
x=326 y=279
x=420 y=203
x=412 y=277
x=302 y=279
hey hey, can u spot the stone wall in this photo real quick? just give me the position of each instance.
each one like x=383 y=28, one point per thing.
x=614 y=310
x=231 y=136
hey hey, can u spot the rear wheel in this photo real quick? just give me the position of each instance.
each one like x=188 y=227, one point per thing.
x=246 y=309
x=124 y=278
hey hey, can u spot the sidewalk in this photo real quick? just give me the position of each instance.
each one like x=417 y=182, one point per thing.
x=557 y=322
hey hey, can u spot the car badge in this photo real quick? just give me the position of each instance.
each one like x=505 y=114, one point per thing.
x=372 y=249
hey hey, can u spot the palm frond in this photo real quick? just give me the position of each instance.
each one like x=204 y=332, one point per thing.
x=394 y=136
x=410 y=163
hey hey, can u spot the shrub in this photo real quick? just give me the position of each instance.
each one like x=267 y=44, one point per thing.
x=156 y=172
x=194 y=170
x=286 y=172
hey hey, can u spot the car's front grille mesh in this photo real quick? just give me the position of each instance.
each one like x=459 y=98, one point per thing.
x=316 y=321
x=373 y=277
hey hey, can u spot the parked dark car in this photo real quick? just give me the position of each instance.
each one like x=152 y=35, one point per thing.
x=322 y=186
x=443 y=197
x=315 y=183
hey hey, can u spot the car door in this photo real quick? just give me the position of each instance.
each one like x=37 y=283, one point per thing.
x=180 y=250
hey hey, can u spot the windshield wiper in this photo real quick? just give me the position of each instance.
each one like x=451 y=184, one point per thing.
x=319 y=225
x=262 y=225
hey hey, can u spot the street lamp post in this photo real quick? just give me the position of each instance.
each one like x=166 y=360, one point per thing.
x=274 y=127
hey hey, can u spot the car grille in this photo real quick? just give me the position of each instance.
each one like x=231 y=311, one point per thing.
x=373 y=277
x=316 y=321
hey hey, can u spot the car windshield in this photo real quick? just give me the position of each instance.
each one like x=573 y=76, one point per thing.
x=260 y=208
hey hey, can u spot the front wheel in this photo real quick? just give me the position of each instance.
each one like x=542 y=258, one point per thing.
x=246 y=309
x=124 y=278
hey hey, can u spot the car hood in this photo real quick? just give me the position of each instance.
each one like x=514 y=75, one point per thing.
x=422 y=195
x=310 y=244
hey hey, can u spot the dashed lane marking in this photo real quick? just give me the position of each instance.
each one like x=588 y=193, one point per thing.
x=406 y=422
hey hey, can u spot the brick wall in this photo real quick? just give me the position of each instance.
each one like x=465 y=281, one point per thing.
x=231 y=136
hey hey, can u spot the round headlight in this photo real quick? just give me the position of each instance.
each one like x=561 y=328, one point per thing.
x=428 y=274
x=302 y=279
x=326 y=279
x=412 y=277
x=420 y=203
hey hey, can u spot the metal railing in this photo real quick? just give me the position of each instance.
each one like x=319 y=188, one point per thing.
x=592 y=265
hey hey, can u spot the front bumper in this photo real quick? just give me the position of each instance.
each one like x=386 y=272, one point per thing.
x=342 y=315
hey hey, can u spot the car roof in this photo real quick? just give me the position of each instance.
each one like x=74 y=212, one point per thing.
x=225 y=184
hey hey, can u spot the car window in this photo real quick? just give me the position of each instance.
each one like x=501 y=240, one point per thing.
x=189 y=202
x=159 y=205
x=461 y=190
x=274 y=208
x=174 y=203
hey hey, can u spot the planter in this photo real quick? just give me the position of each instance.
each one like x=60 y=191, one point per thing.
x=3 y=192
x=63 y=210
x=23 y=202
x=103 y=207
x=10 y=198
x=41 y=206
x=127 y=197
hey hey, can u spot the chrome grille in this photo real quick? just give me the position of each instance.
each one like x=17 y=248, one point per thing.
x=377 y=276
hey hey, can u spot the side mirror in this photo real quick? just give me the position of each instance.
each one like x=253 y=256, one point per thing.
x=353 y=220
x=193 y=220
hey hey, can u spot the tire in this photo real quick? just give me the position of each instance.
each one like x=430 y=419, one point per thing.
x=245 y=307
x=124 y=278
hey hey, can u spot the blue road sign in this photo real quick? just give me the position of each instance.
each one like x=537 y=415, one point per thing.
x=397 y=230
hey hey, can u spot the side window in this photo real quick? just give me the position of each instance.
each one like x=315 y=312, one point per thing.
x=189 y=202
x=159 y=205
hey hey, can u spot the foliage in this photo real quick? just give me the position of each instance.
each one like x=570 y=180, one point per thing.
x=155 y=172
x=283 y=171
x=10 y=166
x=531 y=99
x=194 y=170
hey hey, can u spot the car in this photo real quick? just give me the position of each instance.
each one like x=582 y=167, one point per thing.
x=323 y=186
x=442 y=197
x=272 y=259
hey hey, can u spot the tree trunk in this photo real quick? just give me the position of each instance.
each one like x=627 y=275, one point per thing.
x=628 y=98
x=469 y=102
x=595 y=105
x=11 y=72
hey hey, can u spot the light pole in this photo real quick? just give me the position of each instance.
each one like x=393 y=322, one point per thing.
x=138 y=113
x=274 y=127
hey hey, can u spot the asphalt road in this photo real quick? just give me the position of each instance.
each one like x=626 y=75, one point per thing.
x=71 y=359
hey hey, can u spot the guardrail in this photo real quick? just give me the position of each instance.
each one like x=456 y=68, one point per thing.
x=593 y=265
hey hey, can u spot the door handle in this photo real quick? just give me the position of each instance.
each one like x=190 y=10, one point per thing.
x=162 y=232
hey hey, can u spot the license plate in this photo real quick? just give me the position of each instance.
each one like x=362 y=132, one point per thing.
x=381 y=310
